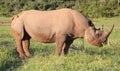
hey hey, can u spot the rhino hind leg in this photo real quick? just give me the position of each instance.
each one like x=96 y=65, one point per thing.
x=26 y=44
x=18 y=39
x=20 y=49
x=22 y=42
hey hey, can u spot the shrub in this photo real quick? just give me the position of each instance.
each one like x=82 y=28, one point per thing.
x=91 y=8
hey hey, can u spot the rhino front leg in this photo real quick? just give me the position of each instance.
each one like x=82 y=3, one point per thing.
x=60 y=40
x=66 y=46
x=26 y=44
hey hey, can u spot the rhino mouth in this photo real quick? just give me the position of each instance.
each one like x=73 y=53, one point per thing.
x=103 y=43
x=100 y=45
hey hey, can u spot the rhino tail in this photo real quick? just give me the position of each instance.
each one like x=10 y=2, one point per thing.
x=18 y=30
x=17 y=27
x=17 y=16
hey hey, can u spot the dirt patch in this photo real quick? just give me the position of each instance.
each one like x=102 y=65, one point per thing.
x=5 y=23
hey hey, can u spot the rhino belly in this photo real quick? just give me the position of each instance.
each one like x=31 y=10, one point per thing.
x=43 y=38
x=42 y=35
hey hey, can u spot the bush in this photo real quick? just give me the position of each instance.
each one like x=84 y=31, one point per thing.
x=91 y=8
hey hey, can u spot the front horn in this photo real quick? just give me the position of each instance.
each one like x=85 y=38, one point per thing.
x=109 y=31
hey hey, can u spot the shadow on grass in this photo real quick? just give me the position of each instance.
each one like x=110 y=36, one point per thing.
x=11 y=62
x=106 y=50
x=95 y=51
x=45 y=50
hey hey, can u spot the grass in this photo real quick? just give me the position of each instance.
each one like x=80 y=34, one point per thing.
x=5 y=19
x=89 y=58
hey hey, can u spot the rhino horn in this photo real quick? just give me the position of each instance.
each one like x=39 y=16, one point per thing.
x=109 y=31
x=106 y=35
x=101 y=28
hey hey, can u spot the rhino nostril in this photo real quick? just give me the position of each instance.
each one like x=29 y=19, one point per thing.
x=105 y=42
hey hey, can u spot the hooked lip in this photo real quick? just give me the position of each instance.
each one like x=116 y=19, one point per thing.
x=102 y=44
x=105 y=42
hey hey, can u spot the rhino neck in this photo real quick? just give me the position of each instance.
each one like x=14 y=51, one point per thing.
x=80 y=24
x=80 y=31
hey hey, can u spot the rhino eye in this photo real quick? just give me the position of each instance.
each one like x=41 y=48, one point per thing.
x=104 y=40
x=98 y=35
x=90 y=23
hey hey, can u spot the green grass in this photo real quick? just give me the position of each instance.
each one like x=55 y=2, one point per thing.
x=5 y=19
x=89 y=58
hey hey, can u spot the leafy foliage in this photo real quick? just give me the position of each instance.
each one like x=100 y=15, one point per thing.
x=91 y=8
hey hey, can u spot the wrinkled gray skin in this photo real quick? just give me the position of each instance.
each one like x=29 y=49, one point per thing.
x=60 y=26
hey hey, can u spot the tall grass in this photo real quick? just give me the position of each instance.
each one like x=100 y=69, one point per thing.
x=89 y=58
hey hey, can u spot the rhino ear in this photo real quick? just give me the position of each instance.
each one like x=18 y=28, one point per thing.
x=101 y=28
x=90 y=23
x=98 y=33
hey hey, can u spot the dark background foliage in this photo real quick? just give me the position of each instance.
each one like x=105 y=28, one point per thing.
x=90 y=8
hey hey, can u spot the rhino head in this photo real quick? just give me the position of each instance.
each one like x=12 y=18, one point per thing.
x=97 y=37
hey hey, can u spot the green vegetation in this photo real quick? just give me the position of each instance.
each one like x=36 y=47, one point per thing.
x=5 y=19
x=91 y=8
x=89 y=58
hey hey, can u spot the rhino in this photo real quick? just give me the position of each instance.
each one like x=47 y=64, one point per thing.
x=61 y=26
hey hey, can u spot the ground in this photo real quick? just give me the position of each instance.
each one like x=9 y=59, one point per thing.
x=89 y=58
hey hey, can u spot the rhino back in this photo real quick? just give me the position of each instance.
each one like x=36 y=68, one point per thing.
x=44 y=25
